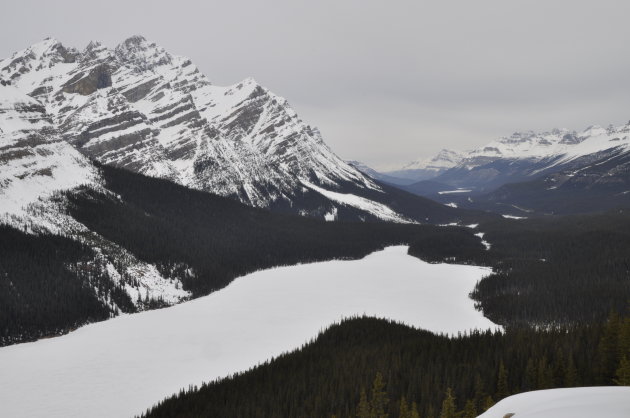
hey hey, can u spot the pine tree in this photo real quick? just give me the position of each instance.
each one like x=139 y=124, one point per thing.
x=405 y=412
x=379 y=401
x=608 y=349
x=571 y=374
x=414 y=411
x=479 y=391
x=470 y=411
x=623 y=372
x=448 y=405
x=531 y=376
x=363 y=409
x=545 y=374
x=559 y=368
x=502 y=383
x=488 y=403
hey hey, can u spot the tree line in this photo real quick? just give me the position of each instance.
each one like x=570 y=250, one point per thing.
x=367 y=367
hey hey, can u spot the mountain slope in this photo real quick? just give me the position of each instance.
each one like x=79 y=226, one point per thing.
x=597 y=182
x=34 y=160
x=138 y=107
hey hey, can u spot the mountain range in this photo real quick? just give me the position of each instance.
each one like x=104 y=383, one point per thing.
x=138 y=107
x=555 y=172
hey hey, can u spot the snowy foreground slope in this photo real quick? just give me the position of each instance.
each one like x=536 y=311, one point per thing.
x=588 y=402
x=120 y=367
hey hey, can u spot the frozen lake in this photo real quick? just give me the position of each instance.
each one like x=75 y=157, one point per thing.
x=120 y=367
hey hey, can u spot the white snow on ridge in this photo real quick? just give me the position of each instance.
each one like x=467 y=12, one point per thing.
x=587 y=402
x=379 y=210
x=455 y=191
x=122 y=366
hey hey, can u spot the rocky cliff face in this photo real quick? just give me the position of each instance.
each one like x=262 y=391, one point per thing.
x=34 y=160
x=139 y=107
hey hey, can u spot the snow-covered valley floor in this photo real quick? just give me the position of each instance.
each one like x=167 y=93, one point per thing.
x=588 y=402
x=120 y=367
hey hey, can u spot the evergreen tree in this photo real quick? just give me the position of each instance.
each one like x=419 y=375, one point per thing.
x=448 y=405
x=608 y=349
x=414 y=410
x=558 y=368
x=571 y=374
x=470 y=411
x=623 y=372
x=545 y=374
x=488 y=403
x=363 y=409
x=502 y=382
x=379 y=401
x=404 y=412
x=531 y=376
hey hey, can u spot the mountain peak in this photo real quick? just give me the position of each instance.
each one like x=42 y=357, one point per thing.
x=142 y=54
x=136 y=40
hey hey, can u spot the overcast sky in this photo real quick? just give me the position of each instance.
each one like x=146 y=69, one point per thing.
x=386 y=82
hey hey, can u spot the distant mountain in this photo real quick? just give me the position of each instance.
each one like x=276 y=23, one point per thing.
x=595 y=182
x=138 y=107
x=560 y=171
x=376 y=175
x=428 y=168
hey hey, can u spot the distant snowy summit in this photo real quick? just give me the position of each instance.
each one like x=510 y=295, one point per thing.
x=138 y=107
x=545 y=149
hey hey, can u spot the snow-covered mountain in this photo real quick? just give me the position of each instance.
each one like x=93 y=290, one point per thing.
x=139 y=107
x=35 y=162
x=377 y=175
x=428 y=168
x=524 y=155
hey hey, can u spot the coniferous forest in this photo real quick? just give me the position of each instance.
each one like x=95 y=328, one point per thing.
x=367 y=367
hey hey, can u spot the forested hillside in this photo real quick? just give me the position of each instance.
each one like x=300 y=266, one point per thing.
x=557 y=270
x=402 y=369
x=47 y=286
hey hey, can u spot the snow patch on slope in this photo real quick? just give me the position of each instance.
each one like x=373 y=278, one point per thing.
x=379 y=210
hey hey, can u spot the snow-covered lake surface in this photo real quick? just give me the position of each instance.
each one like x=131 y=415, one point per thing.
x=120 y=367
x=588 y=402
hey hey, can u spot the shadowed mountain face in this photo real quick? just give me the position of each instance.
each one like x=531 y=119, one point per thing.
x=139 y=107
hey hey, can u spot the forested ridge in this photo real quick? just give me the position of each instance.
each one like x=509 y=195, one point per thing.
x=433 y=374
x=555 y=270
